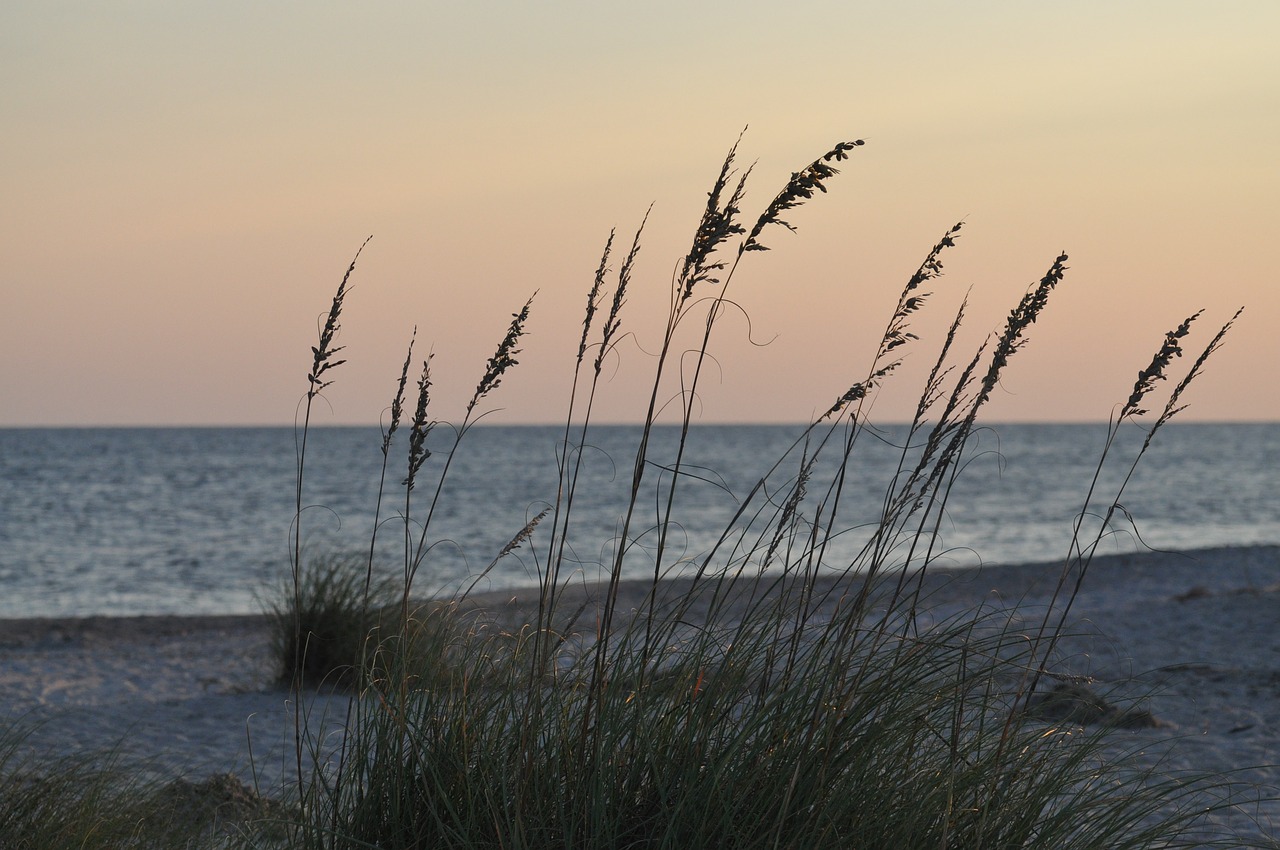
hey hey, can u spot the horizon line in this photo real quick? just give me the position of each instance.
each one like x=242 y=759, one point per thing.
x=604 y=424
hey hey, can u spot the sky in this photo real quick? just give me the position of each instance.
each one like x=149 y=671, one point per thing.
x=184 y=185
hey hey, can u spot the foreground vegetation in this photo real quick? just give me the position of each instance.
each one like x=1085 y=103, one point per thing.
x=780 y=697
x=102 y=800
x=765 y=693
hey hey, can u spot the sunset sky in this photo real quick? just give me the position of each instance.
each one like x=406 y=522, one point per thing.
x=184 y=185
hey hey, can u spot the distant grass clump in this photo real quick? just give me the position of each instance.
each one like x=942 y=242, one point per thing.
x=337 y=611
x=765 y=693
x=353 y=624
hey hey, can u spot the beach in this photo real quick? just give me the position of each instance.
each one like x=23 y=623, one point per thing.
x=1189 y=637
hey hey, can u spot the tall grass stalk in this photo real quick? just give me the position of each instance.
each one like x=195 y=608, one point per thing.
x=1081 y=549
x=318 y=379
x=777 y=690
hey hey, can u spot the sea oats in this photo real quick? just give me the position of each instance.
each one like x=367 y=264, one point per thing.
x=504 y=358
x=719 y=222
x=520 y=536
x=1009 y=342
x=324 y=350
x=937 y=375
x=1020 y=318
x=593 y=296
x=420 y=427
x=397 y=403
x=911 y=300
x=1147 y=378
x=614 y=320
x=1172 y=408
x=799 y=189
x=799 y=710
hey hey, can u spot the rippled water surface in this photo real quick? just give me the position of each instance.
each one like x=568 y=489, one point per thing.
x=198 y=520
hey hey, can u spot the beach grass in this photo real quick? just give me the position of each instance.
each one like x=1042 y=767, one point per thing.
x=772 y=691
x=338 y=610
x=101 y=800
x=765 y=693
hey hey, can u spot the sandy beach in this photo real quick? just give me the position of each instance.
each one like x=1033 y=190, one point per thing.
x=1191 y=637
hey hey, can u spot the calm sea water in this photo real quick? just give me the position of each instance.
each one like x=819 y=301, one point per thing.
x=151 y=521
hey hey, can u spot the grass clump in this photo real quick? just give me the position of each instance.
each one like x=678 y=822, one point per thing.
x=353 y=625
x=71 y=803
x=102 y=801
x=773 y=691
x=324 y=632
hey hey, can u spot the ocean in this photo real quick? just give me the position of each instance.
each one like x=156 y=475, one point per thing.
x=125 y=521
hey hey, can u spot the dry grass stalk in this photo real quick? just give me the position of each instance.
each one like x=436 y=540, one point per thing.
x=785 y=711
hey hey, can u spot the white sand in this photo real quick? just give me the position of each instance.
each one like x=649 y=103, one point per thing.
x=1195 y=635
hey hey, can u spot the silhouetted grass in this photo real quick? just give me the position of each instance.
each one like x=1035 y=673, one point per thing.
x=765 y=693
x=771 y=693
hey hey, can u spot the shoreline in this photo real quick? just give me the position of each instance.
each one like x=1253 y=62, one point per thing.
x=1190 y=636
x=1242 y=568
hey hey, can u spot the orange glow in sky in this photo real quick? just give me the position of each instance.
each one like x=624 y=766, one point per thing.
x=184 y=185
